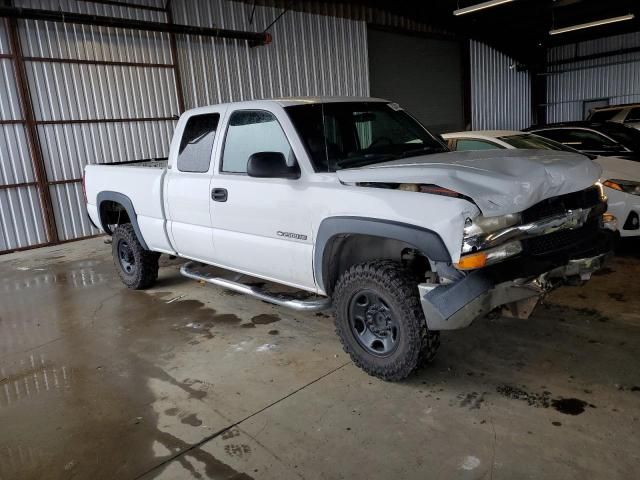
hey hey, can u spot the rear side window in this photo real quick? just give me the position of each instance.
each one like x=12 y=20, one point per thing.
x=633 y=115
x=604 y=115
x=469 y=144
x=249 y=132
x=197 y=142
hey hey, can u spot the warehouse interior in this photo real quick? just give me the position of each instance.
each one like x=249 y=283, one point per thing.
x=186 y=380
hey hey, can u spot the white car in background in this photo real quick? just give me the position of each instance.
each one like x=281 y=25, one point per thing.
x=620 y=177
x=629 y=114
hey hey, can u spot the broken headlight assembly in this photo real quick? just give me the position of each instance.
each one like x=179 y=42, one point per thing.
x=626 y=186
x=480 y=229
x=488 y=257
x=487 y=225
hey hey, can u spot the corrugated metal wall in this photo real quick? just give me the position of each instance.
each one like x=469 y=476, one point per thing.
x=616 y=77
x=21 y=222
x=99 y=95
x=310 y=54
x=500 y=95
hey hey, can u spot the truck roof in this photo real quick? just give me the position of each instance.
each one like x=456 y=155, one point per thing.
x=290 y=101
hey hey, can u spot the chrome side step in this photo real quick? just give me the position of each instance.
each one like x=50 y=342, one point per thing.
x=315 y=305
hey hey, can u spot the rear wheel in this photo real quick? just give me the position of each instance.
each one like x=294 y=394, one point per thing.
x=137 y=267
x=380 y=321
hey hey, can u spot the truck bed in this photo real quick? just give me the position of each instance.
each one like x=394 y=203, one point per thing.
x=141 y=182
x=146 y=163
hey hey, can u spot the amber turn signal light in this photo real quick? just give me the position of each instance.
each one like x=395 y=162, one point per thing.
x=471 y=261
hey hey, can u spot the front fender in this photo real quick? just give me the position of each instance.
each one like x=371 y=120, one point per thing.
x=426 y=241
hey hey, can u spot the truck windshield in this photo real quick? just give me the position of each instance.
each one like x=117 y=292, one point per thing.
x=354 y=134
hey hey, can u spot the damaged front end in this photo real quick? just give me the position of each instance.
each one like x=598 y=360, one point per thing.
x=457 y=305
x=512 y=262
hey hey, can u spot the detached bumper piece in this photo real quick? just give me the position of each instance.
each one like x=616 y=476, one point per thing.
x=457 y=305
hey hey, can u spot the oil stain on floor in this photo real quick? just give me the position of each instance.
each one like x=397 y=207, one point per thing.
x=568 y=406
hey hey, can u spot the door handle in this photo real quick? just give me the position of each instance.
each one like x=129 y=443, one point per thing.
x=219 y=194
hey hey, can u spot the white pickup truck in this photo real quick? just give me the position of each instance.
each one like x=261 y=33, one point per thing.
x=352 y=200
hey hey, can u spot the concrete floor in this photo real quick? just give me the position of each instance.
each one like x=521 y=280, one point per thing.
x=190 y=381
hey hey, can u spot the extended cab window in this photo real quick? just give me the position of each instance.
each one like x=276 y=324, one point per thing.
x=249 y=132
x=469 y=144
x=197 y=142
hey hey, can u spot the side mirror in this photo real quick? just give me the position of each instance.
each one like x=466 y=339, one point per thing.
x=271 y=165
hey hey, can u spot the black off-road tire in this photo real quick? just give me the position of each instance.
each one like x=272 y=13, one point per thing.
x=142 y=270
x=397 y=288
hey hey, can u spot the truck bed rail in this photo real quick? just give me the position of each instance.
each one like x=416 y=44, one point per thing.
x=159 y=162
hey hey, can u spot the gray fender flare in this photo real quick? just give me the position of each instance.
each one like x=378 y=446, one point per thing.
x=426 y=241
x=127 y=204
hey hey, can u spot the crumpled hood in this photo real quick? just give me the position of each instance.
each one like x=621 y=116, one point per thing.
x=499 y=181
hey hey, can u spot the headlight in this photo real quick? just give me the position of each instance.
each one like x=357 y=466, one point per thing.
x=480 y=225
x=488 y=257
x=475 y=233
x=626 y=186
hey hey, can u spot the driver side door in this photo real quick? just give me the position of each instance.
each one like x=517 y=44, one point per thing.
x=261 y=226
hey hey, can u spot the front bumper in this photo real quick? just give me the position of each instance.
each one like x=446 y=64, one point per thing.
x=457 y=305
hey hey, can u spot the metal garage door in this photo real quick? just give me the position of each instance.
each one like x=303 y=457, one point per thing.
x=21 y=220
x=423 y=75
x=99 y=95
x=92 y=94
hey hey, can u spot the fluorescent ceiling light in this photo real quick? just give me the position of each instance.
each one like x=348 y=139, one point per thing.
x=480 y=6
x=597 y=23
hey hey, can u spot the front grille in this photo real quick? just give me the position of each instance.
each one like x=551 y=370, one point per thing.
x=564 y=240
x=560 y=204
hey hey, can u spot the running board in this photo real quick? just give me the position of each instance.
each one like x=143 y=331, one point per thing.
x=277 y=299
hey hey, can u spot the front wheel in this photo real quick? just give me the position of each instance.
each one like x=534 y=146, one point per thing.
x=380 y=321
x=137 y=267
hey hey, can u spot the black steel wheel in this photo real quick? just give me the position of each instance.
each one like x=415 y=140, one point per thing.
x=380 y=321
x=372 y=323
x=125 y=256
x=137 y=267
